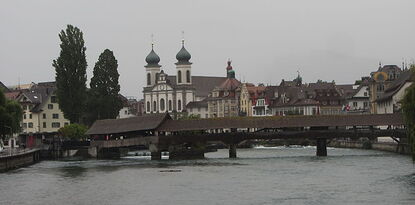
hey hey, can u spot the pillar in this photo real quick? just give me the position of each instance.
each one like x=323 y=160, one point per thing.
x=321 y=147
x=232 y=150
x=156 y=155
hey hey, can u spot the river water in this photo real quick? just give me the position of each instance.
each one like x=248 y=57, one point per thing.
x=258 y=176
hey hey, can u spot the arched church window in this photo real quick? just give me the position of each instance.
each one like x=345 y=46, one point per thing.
x=148 y=106
x=148 y=79
x=188 y=76
x=154 y=106
x=179 y=76
x=179 y=105
x=162 y=105
x=170 y=105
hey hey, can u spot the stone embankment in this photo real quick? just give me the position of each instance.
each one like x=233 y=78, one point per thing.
x=12 y=159
x=382 y=146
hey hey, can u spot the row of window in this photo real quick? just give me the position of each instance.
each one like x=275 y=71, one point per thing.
x=163 y=105
x=54 y=116
x=53 y=125
x=179 y=77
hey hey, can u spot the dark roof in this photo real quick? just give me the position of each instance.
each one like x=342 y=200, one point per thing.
x=197 y=104
x=202 y=84
x=140 y=123
x=388 y=68
x=282 y=122
x=347 y=90
x=4 y=87
x=406 y=76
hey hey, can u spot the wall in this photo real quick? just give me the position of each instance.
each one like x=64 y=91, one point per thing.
x=19 y=160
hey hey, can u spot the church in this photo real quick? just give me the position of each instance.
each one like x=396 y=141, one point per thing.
x=171 y=93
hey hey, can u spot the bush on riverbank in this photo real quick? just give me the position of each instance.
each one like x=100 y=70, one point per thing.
x=408 y=107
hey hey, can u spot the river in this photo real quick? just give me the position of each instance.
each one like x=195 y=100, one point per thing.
x=258 y=176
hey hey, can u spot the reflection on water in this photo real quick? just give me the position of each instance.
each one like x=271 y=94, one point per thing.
x=278 y=175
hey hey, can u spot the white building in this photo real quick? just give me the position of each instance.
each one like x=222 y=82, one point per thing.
x=359 y=100
x=165 y=93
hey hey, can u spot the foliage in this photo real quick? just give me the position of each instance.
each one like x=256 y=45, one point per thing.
x=10 y=116
x=70 y=69
x=408 y=107
x=73 y=131
x=104 y=101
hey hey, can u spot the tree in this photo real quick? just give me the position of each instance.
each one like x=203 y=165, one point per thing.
x=70 y=69
x=104 y=101
x=10 y=116
x=73 y=132
x=408 y=107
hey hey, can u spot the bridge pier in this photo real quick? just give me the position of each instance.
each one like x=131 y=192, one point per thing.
x=232 y=150
x=321 y=147
x=156 y=155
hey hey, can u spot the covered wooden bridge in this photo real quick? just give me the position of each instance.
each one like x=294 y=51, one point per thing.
x=160 y=132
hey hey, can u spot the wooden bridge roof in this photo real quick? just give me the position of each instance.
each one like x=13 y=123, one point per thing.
x=281 y=122
x=140 y=123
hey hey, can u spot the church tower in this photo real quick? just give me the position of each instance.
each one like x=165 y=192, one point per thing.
x=183 y=67
x=152 y=67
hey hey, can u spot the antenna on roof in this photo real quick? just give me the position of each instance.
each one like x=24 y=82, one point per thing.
x=18 y=82
x=182 y=38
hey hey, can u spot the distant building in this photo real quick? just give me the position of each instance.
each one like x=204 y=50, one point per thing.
x=245 y=103
x=127 y=109
x=357 y=98
x=223 y=101
x=198 y=108
x=380 y=81
x=165 y=93
x=390 y=100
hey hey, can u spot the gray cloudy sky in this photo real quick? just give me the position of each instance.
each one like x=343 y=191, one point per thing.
x=266 y=40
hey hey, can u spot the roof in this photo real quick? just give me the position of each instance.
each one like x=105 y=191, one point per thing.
x=388 y=68
x=283 y=122
x=4 y=87
x=406 y=76
x=347 y=90
x=140 y=123
x=197 y=104
x=229 y=84
x=12 y=95
x=202 y=84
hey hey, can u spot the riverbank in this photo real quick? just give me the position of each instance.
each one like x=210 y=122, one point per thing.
x=12 y=159
x=381 y=146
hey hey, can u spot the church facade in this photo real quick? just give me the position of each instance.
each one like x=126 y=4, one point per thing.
x=171 y=93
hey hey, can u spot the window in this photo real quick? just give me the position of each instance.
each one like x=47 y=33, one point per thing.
x=162 y=105
x=66 y=123
x=365 y=94
x=365 y=104
x=55 y=116
x=30 y=107
x=24 y=116
x=125 y=112
x=179 y=76
x=179 y=105
x=24 y=125
x=53 y=99
x=44 y=115
x=154 y=106
x=44 y=124
x=30 y=124
x=56 y=125
x=148 y=79
x=188 y=76
x=170 y=106
x=50 y=106
x=148 y=106
x=30 y=116
x=354 y=104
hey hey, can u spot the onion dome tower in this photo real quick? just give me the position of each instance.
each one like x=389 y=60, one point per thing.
x=152 y=67
x=183 y=67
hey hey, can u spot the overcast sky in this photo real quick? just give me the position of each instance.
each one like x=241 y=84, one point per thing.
x=266 y=40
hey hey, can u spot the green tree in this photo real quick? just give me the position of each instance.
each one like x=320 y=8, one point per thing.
x=408 y=107
x=104 y=101
x=10 y=116
x=70 y=69
x=73 y=131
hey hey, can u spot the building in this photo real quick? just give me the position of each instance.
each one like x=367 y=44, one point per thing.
x=245 y=103
x=330 y=98
x=390 y=100
x=127 y=109
x=357 y=101
x=223 y=101
x=41 y=109
x=164 y=93
x=198 y=108
x=380 y=81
